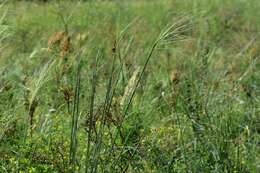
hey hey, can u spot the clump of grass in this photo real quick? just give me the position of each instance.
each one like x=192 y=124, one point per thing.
x=93 y=162
x=183 y=98
x=75 y=118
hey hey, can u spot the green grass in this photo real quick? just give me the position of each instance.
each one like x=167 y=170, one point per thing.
x=147 y=86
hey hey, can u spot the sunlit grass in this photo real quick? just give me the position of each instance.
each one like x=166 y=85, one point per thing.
x=144 y=86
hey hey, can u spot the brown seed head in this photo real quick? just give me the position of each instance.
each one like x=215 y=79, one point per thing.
x=61 y=40
x=175 y=77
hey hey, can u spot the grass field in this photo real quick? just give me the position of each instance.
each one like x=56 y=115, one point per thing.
x=131 y=86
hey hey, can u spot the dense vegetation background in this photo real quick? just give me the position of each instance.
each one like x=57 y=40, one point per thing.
x=130 y=86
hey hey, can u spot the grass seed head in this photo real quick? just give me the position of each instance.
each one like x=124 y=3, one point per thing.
x=61 y=41
x=130 y=86
x=175 y=76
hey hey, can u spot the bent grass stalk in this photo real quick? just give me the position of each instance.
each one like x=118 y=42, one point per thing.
x=170 y=34
x=34 y=89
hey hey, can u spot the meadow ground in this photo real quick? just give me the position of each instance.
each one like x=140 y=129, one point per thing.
x=130 y=86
